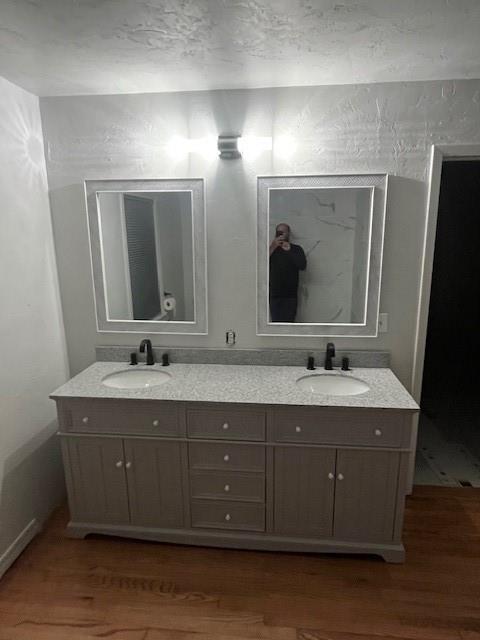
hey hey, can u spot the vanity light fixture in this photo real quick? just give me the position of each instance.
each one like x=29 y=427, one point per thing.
x=228 y=147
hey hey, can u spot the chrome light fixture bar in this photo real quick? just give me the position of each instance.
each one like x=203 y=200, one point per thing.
x=228 y=147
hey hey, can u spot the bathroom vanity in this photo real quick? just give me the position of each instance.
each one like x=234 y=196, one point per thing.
x=237 y=456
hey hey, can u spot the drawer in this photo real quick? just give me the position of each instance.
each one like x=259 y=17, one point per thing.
x=225 y=485
x=231 y=423
x=125 y=417
x=223 y=456
x=220 y=514
x=369 y=428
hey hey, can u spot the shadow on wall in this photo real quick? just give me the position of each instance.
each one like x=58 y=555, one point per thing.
x=32 y=481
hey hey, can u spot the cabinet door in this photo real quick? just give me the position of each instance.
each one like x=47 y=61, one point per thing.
x=304 y=490
x=154 y=478
x=97 y=487
x=365 y=495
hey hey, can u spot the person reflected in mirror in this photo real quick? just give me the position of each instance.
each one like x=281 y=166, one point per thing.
x=286 y=260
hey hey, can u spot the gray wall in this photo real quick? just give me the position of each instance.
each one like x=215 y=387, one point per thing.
x=32 y=343
x=338 y=129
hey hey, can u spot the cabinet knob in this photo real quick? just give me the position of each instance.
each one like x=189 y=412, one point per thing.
x=378 y=432
x=331 y=476
x=226 y=488
x=155 y=423
x=225 y=426
x=128 y=465
x=226 y=457
x=85 y=420
x=228 y=517
x=119 y=464
x=340 y=476
x=298 y=429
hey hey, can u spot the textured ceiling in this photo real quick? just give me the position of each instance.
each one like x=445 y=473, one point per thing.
x=66 y=47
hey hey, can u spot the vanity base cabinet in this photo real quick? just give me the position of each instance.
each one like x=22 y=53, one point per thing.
x=96 y=481
x=304 y=491
x=124 y=481
x=287 y=492
x=155 y=482
x=365 y=495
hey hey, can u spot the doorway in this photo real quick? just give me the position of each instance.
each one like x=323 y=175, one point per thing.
x=449 y=427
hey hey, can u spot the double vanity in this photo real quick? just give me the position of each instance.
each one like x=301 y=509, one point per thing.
x=243 y=455
x=254 y=457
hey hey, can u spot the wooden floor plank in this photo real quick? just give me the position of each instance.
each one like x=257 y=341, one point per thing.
x=130 y=590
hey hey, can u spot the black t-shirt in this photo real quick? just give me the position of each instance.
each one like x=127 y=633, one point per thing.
x=284 y=268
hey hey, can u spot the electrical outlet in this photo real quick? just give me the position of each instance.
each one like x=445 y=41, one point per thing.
x=230 y=337
x=382 y=322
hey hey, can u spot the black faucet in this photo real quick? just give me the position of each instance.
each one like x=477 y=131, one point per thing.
x=311 y=363
x=329 y=354
x=148 y=344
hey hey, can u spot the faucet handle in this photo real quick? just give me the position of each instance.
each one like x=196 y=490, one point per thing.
x=311 y=363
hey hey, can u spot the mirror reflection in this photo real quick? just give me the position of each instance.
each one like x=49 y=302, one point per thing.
x=147 y=255
x=319 y=247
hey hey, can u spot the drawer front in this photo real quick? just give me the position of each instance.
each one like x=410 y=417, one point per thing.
x=326 y=427
x=227 y=485
x=242 y=516
x=231 y=423
x=220 y=456
x=125 y=417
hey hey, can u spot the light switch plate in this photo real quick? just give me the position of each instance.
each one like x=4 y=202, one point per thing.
x=382 y=322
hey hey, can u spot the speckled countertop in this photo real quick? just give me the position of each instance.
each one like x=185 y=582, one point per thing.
x=243 y=384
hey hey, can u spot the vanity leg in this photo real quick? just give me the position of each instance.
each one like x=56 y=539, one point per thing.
x=77 y=533
x=394 y=556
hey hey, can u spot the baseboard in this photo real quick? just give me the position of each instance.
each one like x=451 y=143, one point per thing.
x=18 y=545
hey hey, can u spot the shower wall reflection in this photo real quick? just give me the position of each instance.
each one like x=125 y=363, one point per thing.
x=318 y=254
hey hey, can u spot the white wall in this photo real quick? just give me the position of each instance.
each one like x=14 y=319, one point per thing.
x=338 y=129
x=33 y=354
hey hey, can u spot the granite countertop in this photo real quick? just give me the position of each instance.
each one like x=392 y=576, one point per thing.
x=243 y=384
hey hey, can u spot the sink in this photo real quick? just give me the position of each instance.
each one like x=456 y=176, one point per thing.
x=136 y=379
x=332 y=385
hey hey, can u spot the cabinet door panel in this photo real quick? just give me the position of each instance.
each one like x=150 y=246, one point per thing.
x=98 y=489
x=365 y=495
x=304 y=491
x=154 y=477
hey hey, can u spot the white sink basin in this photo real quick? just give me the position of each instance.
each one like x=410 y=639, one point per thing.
x=136 y=379
x=332 y=385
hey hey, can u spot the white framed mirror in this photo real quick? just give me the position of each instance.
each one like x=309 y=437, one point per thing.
x=148 y=250
x=319 y=254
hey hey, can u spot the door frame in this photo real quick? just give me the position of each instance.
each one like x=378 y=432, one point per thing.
x=438 y=153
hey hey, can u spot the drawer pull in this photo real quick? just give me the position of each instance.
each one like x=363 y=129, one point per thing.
x=331 y=476
x=85 y=420
x=155 y=423
x=378 y=432
x=128 y=465
x=298 y=429
x=340 y=476
x=226 y=488
x=225 y=426
x=119 y=464
x=226 y=457
x=228 y=517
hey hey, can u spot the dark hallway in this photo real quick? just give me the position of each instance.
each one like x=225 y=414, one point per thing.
x=450 y=395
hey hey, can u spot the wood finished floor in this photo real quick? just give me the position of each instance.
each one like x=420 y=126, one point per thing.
x=127 y=590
